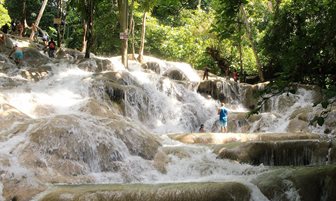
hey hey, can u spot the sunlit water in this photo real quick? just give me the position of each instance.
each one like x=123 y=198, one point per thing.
x=170 y=108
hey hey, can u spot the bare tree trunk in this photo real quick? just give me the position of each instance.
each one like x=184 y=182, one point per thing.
x=131 y=28
x=59 y=14
x=89 y=31
x=37 y=21
x=84 y=39
x=23 y=19
x=199 y=4
x=254 y=49
x=123 y=9
x=143 y=33
x=240 y=53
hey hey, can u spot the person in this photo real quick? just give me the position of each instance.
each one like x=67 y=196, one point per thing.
x=18 y=54
x=2 y=38
x=20 y=28
x=34 y=30
x=45 y=42
x=52 y=47
x=201 y=129
x=5 y=28
x=13 y=26
x=235 y=75
x=206 y=73
x=223 y=117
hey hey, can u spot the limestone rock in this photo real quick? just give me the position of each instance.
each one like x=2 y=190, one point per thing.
x=305 y=183
x=160 y=192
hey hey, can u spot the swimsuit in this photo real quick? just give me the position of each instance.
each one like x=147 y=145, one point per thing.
x=18 y=54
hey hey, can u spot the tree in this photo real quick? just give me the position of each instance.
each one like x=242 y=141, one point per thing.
x=252 y=41
x=301 y=42
x=229 y=19
x=123 y=19
x=37 y=22
x=147 y=5
x=4 y=17
x=87 y=9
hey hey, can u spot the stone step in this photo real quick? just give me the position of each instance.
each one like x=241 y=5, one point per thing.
x=222 y=138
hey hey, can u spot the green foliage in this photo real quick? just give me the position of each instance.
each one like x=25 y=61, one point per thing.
x=183 y=43
x=107 y=29
x=4 y=17
x=301 y=42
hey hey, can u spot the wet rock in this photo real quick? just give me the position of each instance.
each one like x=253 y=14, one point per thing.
x=69 y=54
x=36 y=73
x=304 y=183
x=152 y=65
x=104 y=65
x=220 y=89
x=297 y=125
x=303 y=152
x=175 y=74
x=34 y=58
x=229 y=191
x=89 y=65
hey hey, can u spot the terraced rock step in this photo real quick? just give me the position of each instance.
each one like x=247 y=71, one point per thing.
x=151 y=192
x=223 y=138
x=275 y=149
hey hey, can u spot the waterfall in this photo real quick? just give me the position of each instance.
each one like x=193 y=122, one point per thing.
x=80 y=127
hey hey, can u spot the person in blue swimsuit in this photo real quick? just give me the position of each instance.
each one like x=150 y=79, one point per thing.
x=18 y=56
x=223 y=117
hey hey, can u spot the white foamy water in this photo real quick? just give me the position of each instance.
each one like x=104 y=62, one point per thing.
x=62 y=93
x=156 y=102
x=281 y=109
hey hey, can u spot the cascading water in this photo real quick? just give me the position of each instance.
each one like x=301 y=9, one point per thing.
x=94 y=125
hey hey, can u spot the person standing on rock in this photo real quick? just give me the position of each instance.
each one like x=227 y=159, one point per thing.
x=223 y=117
x=206 y=73
x=18 y=56
x=20 y=28
x=52 y=47
x=34 y=29
x=201 y=129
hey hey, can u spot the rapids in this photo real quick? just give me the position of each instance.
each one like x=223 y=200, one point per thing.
x=79 y=126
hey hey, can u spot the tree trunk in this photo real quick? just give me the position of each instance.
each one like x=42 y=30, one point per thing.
x=37 y=21
x=59 y=14
x=123 y=9
x=131 y=29
x=199 y=4
x=23 y=19
x=89 y=31
x=84 y=39
x=240 y=53
x=143 y=33
x=254 y=49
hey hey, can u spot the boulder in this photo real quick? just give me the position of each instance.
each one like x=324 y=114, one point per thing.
x=304 y=183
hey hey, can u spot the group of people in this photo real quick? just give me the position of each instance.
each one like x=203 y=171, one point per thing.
x=19 y=29
x=222 y=112
x=18 y=52
x=235 y=75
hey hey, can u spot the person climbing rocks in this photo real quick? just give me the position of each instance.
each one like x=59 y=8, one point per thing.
x=20 y=29
x=34 y=29
x=52 y=47
x=18 y=56
x=223 y=117
x=201 y=129
x=206 y=73
x=235 y=75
